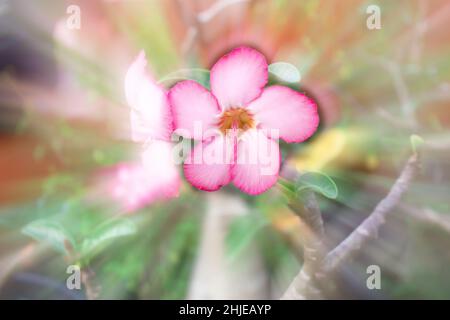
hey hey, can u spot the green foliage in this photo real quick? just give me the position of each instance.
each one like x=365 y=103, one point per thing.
x=416 y=142
x=285 y=72
x=286 y=185
x=317 y=182
x=104 y=234
x=50 y=232
x=156 y=262
x=62 y=239
x=197 y=74
x=177 y=264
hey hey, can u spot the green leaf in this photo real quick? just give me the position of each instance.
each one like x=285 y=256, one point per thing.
x=50 y=232
x=416 y=142
x=285 y=72
x=317 y=182
x=105 y=233
x=197 y=74
x=287 y=187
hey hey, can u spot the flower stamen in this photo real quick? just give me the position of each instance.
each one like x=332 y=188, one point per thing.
x=236 y=118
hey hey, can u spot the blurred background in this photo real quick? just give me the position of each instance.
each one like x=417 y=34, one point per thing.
x=64 y=135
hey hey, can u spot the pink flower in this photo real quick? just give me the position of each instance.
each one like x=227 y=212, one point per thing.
x=155 y=177
x=133 y=186
x=239 y=120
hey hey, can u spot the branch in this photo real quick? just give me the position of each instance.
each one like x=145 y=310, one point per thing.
x=369 y=228
x=400 y=88
x=193 y=34
x=437 y=144
x=428 y=216
x=305 y=285
x=395 y=120
x=208 y=14
x=308 y=210
x=196 y=22
x=91 y=287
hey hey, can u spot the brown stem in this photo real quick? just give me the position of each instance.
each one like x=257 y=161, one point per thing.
x=428 y=216
x=369 y=228
x=305 y=284
x=92 y=289
x=317 y=267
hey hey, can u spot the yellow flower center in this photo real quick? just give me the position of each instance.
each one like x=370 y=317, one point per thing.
x=236 y=118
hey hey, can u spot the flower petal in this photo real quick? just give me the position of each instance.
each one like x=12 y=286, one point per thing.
x=257 y=163
x=150 y=115
x=287 y=113
x=239 y=77
x=137 y=184
x=208 y=166
x=160 y=169
x=194 y=109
